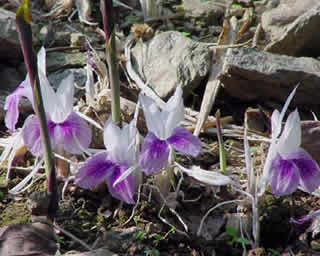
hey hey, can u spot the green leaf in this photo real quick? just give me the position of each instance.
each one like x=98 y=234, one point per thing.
x=231 y=231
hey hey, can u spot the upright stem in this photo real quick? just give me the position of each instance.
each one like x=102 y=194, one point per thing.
x=107 y=11
x=25 y=37
x=222 y=153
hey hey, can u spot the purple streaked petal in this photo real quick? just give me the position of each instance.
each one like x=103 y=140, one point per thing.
x=31 y=134
x=154 y=154
x=94 y=171
x=184 y=141
x=72 y=132
x=308 y=169
x=12 y=103
x=305 y=218
x=124 y=190
x=284 y=176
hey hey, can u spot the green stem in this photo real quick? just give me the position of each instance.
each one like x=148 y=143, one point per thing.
x=107 y=11
x=222 y=153
x=25 y=37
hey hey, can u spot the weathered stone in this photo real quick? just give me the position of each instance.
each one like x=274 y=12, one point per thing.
x=250 y=74
x=291 y=27
x=9 y=39
x=170 y=59
x=209 y=12
x=10 y=78
x=98 y=252
x=311 y=138
x=117 y=239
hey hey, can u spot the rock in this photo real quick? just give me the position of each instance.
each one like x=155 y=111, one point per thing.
x=61 y=64
x=28 y=239
x=213 y=226
x=250 y=74
x=98 y=252
x=206 y=11
x=117 y=239
x=310 y=138
x=10 y=78
x=291 y=27
x=171 y=59
x=9 y=39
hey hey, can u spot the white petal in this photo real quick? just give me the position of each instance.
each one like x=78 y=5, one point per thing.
x=111 y=135
x=283 y=112
x=174 y=111
x=209 y=177
x=65 y=96
x=290 y=139
x=275 y=124
x=152 y=115
x=42 y=61
x=48 y=95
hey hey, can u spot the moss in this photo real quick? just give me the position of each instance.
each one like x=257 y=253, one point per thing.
x=15 y=212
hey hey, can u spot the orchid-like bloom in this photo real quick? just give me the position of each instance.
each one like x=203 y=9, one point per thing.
x=107 y=166
x=288 y=166
x=164 y=133
x=67 y=130
x=292 y=166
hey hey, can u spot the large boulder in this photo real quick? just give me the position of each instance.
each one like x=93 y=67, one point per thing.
x=171 y=59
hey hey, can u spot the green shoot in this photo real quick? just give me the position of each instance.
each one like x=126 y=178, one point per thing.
x=222 y=152
x=25 y=36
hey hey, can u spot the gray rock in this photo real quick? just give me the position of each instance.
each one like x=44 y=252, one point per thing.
x=117 y=239
x=250 y=74
x=98 y=252
x=171 y=59
x=287 y=20
x=10 y=78
x=61 y=64
x=208 y=11
x=298 y=38
x=9 y=39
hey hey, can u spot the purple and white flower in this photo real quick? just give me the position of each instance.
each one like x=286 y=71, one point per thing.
x=164 y=133
x=288 y=166
x=108 y=165
x=67 y=130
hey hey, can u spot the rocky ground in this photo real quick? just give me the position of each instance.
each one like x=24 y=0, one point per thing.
x=243 y=57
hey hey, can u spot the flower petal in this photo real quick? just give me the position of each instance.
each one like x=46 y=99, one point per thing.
x=49 y=97
x=305 y=218
x=208 y=177
x=41 y=59
x=31 y=135
x=184 y=141
x=12 y=103
x=290 y=139
x=94 y=171
x=111 y=135
x=308 y=169
x=152 y=115
x=174 y=111
x=65 y=98
x=154 y=154
x=124 y=190
x=65 y=133
x=284 y=176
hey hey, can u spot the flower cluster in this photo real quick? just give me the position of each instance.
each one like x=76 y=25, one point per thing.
x=288 y=165
x=67 y=130
x=116 y=164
